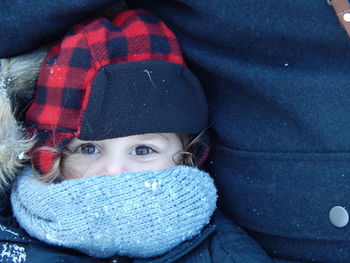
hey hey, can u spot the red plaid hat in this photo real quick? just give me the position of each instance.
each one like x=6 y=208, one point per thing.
x=111 y=78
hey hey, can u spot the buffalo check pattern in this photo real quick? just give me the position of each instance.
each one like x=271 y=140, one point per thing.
x=67 y=73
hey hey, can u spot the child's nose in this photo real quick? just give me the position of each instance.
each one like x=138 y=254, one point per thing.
x=113 y=166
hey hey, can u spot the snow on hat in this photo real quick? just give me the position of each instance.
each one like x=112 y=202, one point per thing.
x=111 y=78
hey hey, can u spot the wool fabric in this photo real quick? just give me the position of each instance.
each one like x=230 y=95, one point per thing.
x=141 y=214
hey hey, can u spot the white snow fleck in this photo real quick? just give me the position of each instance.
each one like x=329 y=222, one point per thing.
x=154 y=186
x=13 y=253
x=149 y=73
x=106 y=208
x=4 y=85
x=52 y=238
x=21 y=156
x=2 y=228
x=97 y=236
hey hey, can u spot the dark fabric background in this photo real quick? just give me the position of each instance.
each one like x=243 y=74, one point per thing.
x=276 y=75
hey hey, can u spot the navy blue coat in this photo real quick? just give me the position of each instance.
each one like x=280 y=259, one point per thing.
x=220 y=242
x=276 y=75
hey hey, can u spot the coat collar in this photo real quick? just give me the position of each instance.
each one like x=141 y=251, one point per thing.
x=182 y=249
x=9 y=228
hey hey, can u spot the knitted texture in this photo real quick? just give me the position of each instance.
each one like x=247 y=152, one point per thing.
x=140 y=214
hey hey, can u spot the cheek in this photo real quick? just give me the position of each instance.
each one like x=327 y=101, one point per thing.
x=159 y=164
x=74 y=168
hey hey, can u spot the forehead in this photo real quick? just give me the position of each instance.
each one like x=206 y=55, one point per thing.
x=154 y=136
x=144 y=137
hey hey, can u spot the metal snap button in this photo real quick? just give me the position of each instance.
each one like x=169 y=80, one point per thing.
x=346 y=17
x=338 y=216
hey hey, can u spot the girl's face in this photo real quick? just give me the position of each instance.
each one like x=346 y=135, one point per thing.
x=154 y=151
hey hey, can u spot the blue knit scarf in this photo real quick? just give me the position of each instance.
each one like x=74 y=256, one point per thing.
x=140 y=214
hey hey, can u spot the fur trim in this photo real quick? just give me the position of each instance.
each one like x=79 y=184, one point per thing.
x=13 y=145
x=18 y=78
x=19 y=75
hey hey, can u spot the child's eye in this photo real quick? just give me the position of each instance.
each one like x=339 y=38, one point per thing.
x=142 y=150
x=87 y=148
